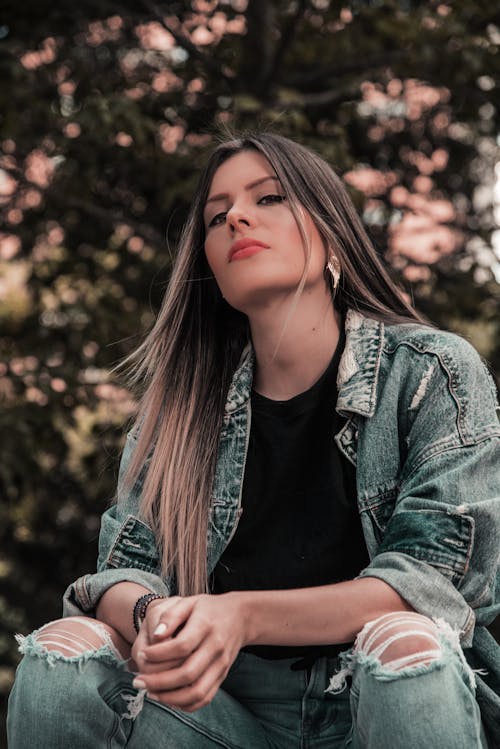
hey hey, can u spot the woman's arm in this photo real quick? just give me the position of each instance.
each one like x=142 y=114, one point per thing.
x=315 y=616
x=116 y=608
x=213 y=628
x=323 y=615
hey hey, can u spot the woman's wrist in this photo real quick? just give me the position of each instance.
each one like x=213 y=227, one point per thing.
x=245 y=603
x=141 y=607
x=115 y=606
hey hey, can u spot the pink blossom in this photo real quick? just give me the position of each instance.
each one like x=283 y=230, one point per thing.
x=423 y=184
x=420 y=239
x=58 y=385
x=72 y=130
x=10 y=246
x=202 y=36
x=47 y=54
x=165 y=81
x=135 y=244
x=415 y=273
x=171 y=136
x=39 y=168
x=123 y=139
x=8 y=186
x=371 y=181
x=153 y=35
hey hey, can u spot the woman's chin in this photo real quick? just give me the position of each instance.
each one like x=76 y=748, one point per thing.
x=257 y=299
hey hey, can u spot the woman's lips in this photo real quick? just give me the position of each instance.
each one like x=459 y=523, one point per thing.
x=245 y=247
x=247 y=251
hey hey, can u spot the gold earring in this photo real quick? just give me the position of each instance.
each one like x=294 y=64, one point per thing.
x=333 y=266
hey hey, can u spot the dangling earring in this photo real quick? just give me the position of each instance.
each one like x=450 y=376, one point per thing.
x=333 y=266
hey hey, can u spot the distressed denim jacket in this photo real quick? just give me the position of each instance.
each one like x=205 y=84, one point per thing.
x=423 y=432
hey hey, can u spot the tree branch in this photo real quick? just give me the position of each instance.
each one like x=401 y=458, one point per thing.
x=338 y=70
x=257 y=46
x=285 y=40
x=320 y=98
x=146 y=231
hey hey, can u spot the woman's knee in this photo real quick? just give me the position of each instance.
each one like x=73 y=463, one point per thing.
x=400 y=639
x=74 y=637
x=65 y=664
x=55 y=657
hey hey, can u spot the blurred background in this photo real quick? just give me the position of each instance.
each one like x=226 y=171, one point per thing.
x=107 y=110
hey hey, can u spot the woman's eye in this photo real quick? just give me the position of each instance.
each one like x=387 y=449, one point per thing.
x=272 y=199
x=265 y=200
x=217 y=219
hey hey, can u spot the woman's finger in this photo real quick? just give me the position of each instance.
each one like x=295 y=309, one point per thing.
x=158 y=678
x=143 y=638
x=148 y=667
x=193 y=696
x=178 y=635
x=158 y=612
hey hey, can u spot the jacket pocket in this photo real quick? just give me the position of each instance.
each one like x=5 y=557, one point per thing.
x=135 y=546
x=380 y=509
x=443 y=540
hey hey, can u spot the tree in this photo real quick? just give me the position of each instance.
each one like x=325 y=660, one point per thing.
x=107 y=111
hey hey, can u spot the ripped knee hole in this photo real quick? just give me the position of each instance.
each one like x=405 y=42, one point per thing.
x=399 y=640
x=77 y=635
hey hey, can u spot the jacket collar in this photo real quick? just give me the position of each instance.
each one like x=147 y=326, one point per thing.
x=358 y=369
x=241 y=384
x=359 y=366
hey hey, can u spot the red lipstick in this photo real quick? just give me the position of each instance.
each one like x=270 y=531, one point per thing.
x=246 y=247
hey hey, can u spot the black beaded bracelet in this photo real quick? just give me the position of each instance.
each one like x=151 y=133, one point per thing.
x=140 y=608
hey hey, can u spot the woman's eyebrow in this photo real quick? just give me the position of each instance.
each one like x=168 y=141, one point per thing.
x=224 y=195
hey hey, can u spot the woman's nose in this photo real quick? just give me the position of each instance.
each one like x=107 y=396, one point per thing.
x=238 y=216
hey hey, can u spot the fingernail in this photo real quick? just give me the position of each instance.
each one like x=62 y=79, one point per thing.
x=142 y=655
x=139 y=684
x=160 y=629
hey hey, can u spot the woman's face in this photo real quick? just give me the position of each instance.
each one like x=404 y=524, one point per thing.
x=252 y=241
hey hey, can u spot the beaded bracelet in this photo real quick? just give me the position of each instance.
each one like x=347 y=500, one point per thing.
x=140 y=608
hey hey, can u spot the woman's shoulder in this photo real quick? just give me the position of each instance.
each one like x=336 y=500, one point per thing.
x=403 y=355
x=421 y=348
x=424 y=339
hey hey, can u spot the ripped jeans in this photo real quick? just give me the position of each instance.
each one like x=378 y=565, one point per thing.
x=379 y=695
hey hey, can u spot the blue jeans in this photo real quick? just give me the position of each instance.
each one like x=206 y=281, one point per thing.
x=88 y=702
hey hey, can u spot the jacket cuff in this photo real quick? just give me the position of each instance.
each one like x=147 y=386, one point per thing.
x=82 y=596
x=426 y=589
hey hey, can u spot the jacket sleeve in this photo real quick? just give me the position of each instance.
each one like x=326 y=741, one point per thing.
x=127 y=550
x=440 y=549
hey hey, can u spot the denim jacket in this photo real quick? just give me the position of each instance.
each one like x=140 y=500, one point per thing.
x=423 y=432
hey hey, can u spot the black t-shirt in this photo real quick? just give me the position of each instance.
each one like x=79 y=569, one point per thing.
x=300 y=525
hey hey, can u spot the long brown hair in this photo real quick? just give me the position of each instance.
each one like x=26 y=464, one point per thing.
x=186 y=362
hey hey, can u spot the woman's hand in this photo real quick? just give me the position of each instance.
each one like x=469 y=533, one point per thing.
x=186 y=647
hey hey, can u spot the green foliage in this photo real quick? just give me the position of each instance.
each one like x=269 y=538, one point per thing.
x=104 y=124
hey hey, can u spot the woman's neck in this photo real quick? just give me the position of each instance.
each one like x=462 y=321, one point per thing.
x=293 y=350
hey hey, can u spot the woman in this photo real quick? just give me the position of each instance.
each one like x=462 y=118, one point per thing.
x=313 y=470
